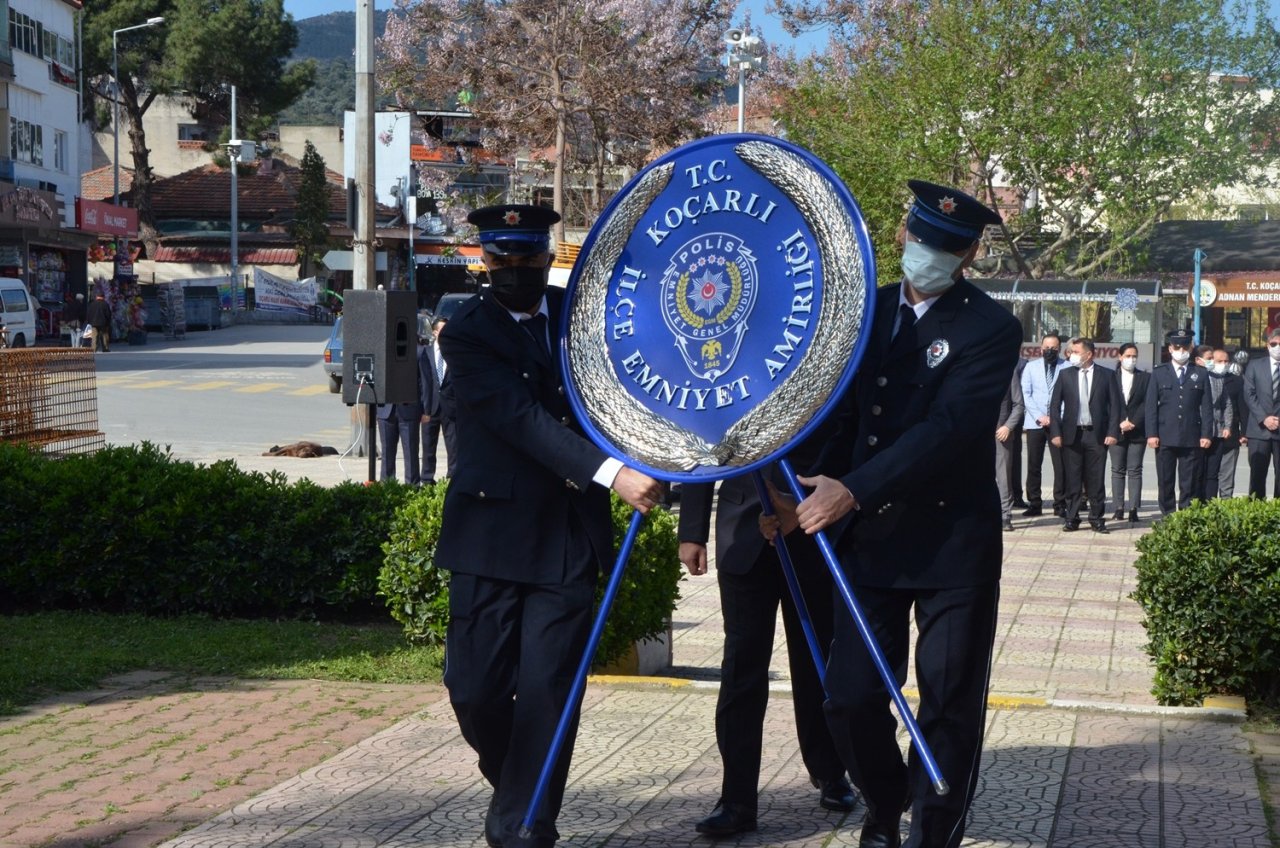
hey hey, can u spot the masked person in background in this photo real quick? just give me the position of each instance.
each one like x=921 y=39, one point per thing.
x=1127 y=453
x=1038 y=378
x=906 y=487
x=526 y=527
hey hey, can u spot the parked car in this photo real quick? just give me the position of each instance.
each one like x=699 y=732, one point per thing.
x=17 y=312
x=333 y=357
x=449 y=304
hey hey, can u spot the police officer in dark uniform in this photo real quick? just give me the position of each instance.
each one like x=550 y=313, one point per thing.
x=1179 y=423
x=526 y=526
x=908 y=492
x=752 y=587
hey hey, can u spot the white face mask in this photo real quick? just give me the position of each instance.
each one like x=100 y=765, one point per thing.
x=1074 y=359
x=1129 y=363
x=1219 y=368
x=930 y=271
x=1180 y=356
x=1275 y=353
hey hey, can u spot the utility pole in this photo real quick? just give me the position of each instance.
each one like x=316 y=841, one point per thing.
x=364 y=247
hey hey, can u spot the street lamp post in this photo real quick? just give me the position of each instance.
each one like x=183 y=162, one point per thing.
x=115 y=77
x=744 y=54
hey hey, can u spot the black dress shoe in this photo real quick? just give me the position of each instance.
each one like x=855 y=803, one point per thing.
x=1119 y=516
x=879 y=834
x=1070 y=526
x=728 y=819
x=1019 y=503
x=1007 y=525
x=1060 y=511
x=1032 y=512
x=492 y=827
x=837 y=795
x=1133 y=516
x=1100 y=527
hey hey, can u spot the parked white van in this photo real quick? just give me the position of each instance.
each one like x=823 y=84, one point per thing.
x=17 y=312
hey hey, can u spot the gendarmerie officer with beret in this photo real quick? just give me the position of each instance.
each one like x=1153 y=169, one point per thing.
x=908 y=493
x=526 y=526
x=1179 y=423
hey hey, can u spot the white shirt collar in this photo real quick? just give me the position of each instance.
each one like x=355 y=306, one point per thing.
x=524 y=316
x=919 y=308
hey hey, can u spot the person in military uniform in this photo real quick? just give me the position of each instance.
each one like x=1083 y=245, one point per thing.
x=907 y=490
x=526 y=527
x=1179 y=423
x=752 y=586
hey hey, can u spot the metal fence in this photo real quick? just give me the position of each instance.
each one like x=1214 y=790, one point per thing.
x=49 y=400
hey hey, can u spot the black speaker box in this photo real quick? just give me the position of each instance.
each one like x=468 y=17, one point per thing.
x=379 y=347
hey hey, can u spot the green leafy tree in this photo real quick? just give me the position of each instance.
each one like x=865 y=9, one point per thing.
x=1085 y=121
x=310 y=226
x=202 y=48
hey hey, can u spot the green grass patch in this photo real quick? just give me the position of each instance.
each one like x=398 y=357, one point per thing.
x=47 y=653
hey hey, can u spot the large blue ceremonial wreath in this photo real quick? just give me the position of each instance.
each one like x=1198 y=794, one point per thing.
x=717 y=308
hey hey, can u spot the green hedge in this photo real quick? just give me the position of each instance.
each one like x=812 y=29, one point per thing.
x=1209 y=584
x=418 y=595
x=131 y=529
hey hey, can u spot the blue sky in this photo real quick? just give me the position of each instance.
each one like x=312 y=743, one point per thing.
x=768 y=25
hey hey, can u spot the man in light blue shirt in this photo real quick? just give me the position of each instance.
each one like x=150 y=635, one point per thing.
x=1038 y=378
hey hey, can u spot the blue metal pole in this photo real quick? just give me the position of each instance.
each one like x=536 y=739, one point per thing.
x=1195 y=299
x=793 y=584
x=580 y=680
x=873 y=647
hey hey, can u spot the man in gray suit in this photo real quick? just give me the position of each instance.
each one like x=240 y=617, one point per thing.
x=1262 y=399
x=1007 y=435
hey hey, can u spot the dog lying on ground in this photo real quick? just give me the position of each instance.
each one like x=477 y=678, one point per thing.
x=302 y=449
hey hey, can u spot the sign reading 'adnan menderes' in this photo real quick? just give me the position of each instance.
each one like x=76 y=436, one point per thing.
x=717 y=307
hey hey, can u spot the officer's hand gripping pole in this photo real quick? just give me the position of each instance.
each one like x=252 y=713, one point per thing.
x=793 y=584
x=873 y=647
x=580 y=679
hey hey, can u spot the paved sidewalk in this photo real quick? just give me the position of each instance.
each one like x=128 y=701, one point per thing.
x=1077 y=752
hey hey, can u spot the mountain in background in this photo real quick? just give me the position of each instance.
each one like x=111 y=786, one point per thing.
x=331 y=41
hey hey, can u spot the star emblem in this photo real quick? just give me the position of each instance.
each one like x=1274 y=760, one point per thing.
x=511 y=218
x=947 y=205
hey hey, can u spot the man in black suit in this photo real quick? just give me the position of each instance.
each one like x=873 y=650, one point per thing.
x=907 y=488
x=1084 y=420
x=1127 y=453
x=398 y=424
x=1262 y=428
x=437 y=405
x=526 y=526
x=1179 y=423
x=751 y=588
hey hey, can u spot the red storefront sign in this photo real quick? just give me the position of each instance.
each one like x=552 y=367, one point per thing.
x=106 y=218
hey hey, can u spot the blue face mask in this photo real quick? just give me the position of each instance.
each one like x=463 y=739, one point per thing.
x=930 y=271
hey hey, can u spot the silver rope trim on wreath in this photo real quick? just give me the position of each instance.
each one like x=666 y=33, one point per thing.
x=654 y=440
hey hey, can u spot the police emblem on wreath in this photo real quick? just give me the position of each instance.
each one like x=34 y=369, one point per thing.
x=707 y=295
x=716 y=310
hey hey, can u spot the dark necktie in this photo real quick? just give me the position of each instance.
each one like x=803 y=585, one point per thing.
x=1182 y=374
x=537 y=327
x=1275 y=385
x=906 y=326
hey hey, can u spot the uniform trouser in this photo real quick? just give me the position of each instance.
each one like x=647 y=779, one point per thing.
x=1004 y=473
x=393 y=431
x=1227 y=470
x=1084 y=465
x=953 y=661
x=1126 y=472
x=1015 y=465
x=1037 y=440
x=511 y=654
x=749 y=604
x=1264 y=455
x=1187 y=466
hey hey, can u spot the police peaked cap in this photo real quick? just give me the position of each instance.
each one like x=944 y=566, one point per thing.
x=514 y=229
x=947 y=218
x=1178 y=337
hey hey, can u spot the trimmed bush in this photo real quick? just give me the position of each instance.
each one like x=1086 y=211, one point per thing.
x=417 y=593
x=1209 y=584
x=131 y=529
